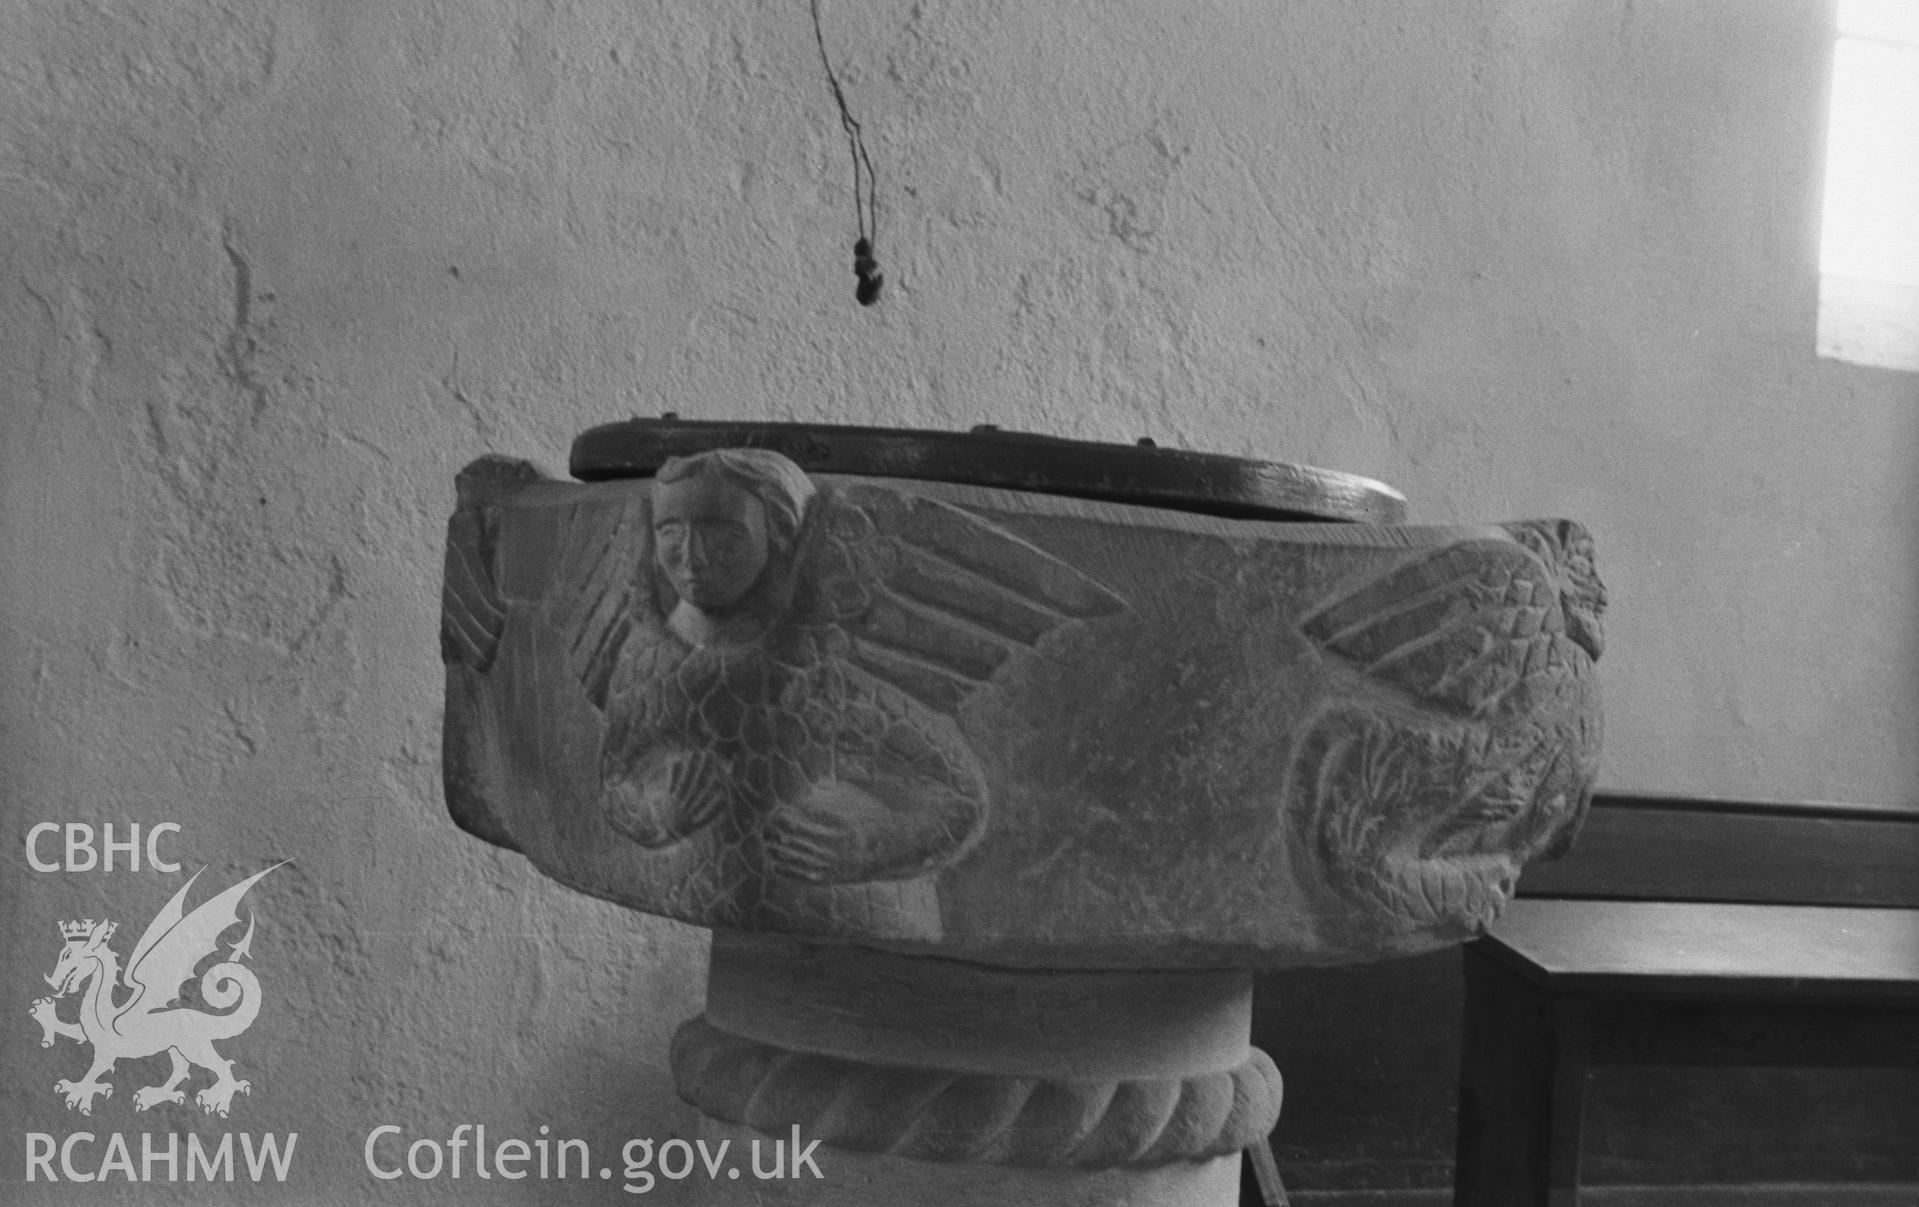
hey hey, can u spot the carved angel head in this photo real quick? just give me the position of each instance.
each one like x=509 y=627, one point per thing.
x=720 y=519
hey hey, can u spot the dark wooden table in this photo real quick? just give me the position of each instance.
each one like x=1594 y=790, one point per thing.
x=1562 y=986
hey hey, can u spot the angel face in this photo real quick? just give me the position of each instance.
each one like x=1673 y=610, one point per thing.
x=710 y=539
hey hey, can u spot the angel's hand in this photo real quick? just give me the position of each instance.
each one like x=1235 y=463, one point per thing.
x=667 y=797
x=836 y=833
x=882 y=828
x=806 y=842
x=700 y=786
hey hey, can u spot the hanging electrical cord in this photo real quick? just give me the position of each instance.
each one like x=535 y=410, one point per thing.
x=866 y=210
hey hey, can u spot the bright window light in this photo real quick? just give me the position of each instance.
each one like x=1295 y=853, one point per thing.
x=1869 y=238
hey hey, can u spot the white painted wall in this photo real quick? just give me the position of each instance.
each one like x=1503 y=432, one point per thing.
x=271 y=272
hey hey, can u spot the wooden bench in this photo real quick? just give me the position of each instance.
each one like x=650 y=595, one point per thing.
x=1562 y=986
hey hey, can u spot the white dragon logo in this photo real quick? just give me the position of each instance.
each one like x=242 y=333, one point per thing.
x=152 y=1020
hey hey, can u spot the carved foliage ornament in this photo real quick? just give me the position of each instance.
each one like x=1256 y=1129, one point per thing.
x=1472 y=743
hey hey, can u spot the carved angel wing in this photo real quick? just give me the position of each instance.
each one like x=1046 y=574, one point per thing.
x=472 y=610
x=175 y=941
x=614 y=606
x=1464 y=626
x=1428 y=817
x=1566 y=547
x=934 y=599
x=826 y=731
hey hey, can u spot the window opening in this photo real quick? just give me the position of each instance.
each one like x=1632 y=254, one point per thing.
x=1869 y=230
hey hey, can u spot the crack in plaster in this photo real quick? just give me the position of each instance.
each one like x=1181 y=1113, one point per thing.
x=1082 y=329
x=68 y=363
x=217 y=583
x=1128 y=183
x=243 y=553
x=242 y=343
x=485 y=426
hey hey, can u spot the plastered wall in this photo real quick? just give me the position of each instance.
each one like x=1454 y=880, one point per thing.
x=271 y=272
